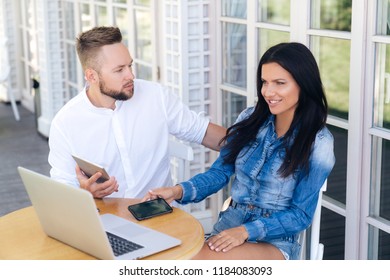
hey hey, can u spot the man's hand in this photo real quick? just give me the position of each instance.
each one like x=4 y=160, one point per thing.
x=98 y=190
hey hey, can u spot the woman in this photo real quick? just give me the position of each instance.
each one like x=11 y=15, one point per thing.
x=280 y=153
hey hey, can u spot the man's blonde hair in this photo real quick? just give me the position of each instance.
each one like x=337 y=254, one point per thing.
x=88 y=44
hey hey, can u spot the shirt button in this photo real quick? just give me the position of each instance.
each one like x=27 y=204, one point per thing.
x=266 y=215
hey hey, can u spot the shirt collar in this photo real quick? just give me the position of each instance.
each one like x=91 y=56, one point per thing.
x=270 y=121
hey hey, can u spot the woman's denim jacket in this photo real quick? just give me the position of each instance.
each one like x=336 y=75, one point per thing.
x=291 y=201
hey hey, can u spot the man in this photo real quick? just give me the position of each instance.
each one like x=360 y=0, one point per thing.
x=121 y=123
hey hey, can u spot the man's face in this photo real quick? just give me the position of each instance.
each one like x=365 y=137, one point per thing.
x=116 y=78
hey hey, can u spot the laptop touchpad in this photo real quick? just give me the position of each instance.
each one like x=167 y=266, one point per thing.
x=128 y=230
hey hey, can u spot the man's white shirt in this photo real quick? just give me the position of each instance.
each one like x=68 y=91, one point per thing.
x=131 y=142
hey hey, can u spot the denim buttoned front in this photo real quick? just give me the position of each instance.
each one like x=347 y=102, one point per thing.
x=289 y=203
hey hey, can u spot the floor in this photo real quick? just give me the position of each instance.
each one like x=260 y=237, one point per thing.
x=20 y=145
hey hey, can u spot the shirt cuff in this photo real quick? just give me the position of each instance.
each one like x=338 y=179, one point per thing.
x=188 y=192
x=205 y=125
x=256 y=231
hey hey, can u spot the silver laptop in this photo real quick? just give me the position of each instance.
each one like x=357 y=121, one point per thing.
x=69 y=214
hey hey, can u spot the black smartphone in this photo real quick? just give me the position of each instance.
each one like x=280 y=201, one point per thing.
x=149 y=209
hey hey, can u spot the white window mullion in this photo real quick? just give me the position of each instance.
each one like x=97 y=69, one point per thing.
x=154 y=9
x=355 y=132
x=300 y=21
x=131 y=29
x=251 y=53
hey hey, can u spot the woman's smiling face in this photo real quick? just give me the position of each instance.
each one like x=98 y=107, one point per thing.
x=280 y=90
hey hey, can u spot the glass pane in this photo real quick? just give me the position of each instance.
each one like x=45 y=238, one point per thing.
x=28 y=45
x=383 y=12
x=120 y=1
x=33 y=75
x=275 y=11
x=234 y=47
x=333 y=60
x=337 y=181
x=31 y=14
x=121 y=21
x=382 y=92
x=32 y=32
x=69 y=21
x=379 y=244
x=380 y=192
x=199 y=94
x=332 y=234
x=268 y=38
x=86 y=20
x=232 y=105
x=142 y=2
x=331 y=14
x=32 y=48
x=101 y=16
x=72 y=63
x=143 y=72
x=384 y=246
x=23 y=75
x=143 y=35
x=234 y=8
x=385 y=181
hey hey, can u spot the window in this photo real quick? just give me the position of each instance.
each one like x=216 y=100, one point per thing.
x=30 y=55
x=379 y=200
x=327 y=32
x=234 y=54
x=143 y=46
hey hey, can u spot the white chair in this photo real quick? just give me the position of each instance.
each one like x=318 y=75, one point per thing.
x=5 y=70
x=181 y=154
x=309 y=238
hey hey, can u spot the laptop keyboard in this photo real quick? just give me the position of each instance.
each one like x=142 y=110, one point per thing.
x=120 y=245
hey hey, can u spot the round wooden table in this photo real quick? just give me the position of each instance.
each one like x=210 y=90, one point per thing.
x=21 y=235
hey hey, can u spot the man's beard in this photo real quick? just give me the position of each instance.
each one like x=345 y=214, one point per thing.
x=117 y=95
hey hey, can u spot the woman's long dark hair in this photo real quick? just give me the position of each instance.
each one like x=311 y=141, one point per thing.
x=310 y=114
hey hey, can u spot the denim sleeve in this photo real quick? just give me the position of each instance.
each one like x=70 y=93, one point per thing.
x=304 y=201
x=202 y=185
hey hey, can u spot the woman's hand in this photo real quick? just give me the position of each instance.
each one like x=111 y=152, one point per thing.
x=228 y=239
x=168 y=193
x=98 y=190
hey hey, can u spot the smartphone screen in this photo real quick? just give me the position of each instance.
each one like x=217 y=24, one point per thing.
x=150 y=208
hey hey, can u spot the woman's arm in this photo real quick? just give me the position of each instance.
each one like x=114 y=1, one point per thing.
x=198 y=187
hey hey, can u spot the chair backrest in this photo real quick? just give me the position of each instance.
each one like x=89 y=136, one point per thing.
x=312 y=249
x=180 y=150
x=181 y=154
